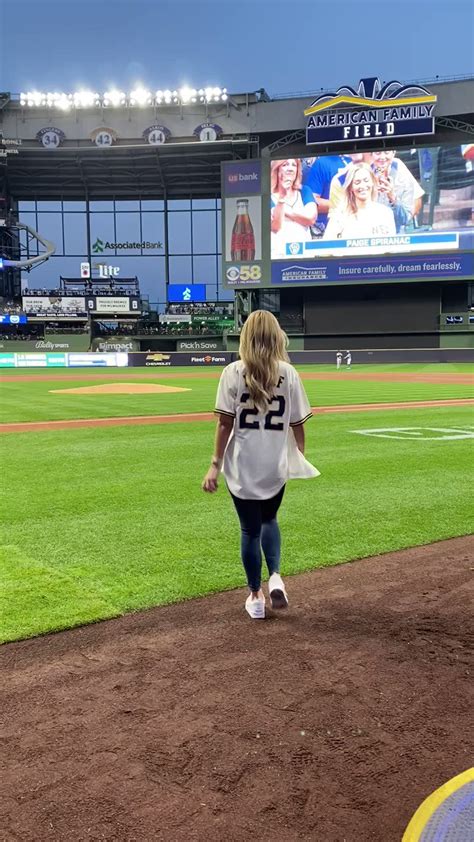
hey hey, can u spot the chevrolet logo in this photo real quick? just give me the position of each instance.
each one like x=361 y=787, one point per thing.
x=157 y=358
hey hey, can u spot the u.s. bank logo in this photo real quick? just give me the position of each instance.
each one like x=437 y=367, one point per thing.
x=390 y=110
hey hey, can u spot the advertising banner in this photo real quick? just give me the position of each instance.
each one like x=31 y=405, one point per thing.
x=30 y=360
x=243 y=230
x=429 y=267
x=179 y=293
x=242 y=178
x=40 y=360
x=166 y=318
x=68 y=305
x=159 y=359
x=242 y=209
x=242 y=223
x=7 y=360
x=116 y=343
x=13 y=319
x=200 y=345
x=51 y=342
x=110 y=304
x=374 y=110
x=98 y=360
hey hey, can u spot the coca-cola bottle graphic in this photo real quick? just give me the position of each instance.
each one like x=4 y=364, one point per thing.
x=242 y=244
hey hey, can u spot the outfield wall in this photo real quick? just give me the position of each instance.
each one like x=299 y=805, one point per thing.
x=176 y=359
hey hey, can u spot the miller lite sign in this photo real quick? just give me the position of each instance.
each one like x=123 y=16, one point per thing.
x=372 y=111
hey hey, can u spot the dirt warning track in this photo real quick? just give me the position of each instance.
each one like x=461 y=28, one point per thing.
x=208 y=374
x=186 y=418
x=190 y=722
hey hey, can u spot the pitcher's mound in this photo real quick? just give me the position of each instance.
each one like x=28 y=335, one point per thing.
x=120 y=389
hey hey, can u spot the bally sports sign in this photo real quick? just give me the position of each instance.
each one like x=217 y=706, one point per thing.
x=392 y=110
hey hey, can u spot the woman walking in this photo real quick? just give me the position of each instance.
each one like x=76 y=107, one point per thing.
x=259 y=398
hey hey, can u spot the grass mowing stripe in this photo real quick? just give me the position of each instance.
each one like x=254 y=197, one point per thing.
x=36 y=596
x=120 y=512
x=32 y=401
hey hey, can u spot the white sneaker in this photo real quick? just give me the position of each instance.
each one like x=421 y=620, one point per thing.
x=255 y=607
x=278 y=595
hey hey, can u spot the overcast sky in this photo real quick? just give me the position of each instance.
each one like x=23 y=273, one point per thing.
x=281 y=45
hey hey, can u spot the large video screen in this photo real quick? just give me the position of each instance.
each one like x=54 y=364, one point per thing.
x=384 y=202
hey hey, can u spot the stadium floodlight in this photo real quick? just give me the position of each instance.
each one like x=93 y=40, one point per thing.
x=58 y=100
x=186 y=94
x=140 y=96
x=84 y=99
x=213 y=94
x=35 y=98
x=114 y=98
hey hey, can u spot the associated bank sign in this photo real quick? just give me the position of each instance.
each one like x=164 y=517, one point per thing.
x=100 y=246
x=392 y=110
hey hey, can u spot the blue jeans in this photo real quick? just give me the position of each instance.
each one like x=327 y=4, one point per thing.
x=260 y=529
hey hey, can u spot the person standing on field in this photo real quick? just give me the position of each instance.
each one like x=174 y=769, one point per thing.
x=338 y=360
x=259 y=444
x=348 y=359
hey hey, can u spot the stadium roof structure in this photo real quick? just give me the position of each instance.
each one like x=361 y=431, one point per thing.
x=184 y=166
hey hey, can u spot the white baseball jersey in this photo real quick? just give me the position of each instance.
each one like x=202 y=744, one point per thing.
x=256 y=461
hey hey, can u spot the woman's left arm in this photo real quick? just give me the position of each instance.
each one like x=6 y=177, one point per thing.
x=307 y=216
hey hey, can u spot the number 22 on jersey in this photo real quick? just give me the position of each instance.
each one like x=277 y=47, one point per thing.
x=270 y=423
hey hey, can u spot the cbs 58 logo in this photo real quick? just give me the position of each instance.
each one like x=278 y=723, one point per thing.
x=245 y=272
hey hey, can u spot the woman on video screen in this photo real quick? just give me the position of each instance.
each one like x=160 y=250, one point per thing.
x=359 y=214
x=293 y=207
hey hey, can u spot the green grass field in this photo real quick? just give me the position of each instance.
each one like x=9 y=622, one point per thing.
x=34 y=401
x=98 y=522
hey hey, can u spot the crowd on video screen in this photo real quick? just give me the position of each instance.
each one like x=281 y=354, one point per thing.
x=367 y=194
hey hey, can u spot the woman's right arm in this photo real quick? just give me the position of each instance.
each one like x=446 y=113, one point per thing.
x=334 y=227
x=278 y=216
x=298 y=433
x=224 y=428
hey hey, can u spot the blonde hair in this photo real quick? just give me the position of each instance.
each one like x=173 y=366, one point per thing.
x=275 y=174
x=262 y=345
x=350 y=200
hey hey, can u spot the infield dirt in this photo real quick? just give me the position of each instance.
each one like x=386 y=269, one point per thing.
x=191 y=723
